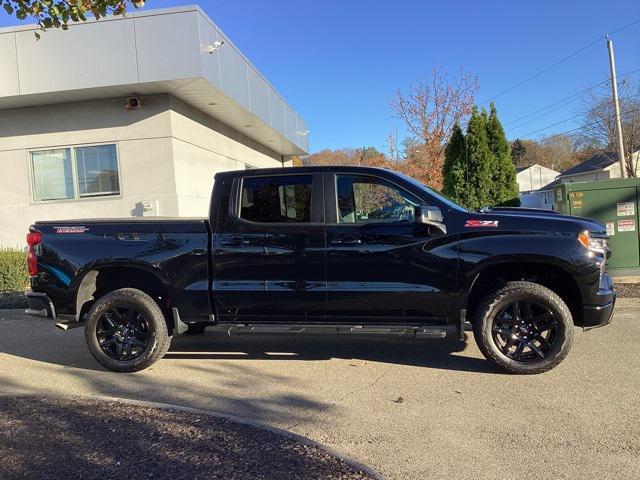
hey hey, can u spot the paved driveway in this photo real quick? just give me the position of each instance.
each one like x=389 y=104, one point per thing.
x=430 y=409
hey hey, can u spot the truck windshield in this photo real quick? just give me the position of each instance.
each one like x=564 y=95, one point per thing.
x=440 y=197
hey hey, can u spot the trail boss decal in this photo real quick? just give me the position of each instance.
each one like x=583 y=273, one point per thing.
x=72 y=229
x=481 y=223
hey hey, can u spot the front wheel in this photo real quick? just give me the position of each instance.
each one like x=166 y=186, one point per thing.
x=524 y=328
x=126 y=331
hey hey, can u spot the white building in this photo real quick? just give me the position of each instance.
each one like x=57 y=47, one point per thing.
x=130 y=116
x=532 y=178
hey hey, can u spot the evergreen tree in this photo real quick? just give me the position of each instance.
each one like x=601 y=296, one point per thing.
x=453 y=169
x=479 y=160
x=504 y=187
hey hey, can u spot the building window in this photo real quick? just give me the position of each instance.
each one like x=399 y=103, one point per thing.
x=285 y=199
x=97 y=170
x=52 y=174
x=75 y=172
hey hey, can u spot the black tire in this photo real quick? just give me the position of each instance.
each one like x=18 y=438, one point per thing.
x=150 y=325
x=544 y=328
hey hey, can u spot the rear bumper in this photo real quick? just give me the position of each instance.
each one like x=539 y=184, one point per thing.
x=40 y=305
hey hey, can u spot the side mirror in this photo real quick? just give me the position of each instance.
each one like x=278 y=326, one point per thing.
x=427 y=215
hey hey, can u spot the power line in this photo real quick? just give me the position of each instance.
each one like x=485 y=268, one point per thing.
x=563 y=100
x=582 y=127
x=553 y=125
x=557 y=123
x=544 y=70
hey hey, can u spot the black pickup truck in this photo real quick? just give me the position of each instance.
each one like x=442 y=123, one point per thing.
x=338 y=249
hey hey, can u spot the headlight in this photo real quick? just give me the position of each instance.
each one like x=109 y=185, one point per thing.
x=593 y=243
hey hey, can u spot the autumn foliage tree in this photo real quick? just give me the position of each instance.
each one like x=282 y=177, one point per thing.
x=58 y=14
x=429 y=110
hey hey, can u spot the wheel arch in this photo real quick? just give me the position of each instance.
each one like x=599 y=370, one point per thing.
x=549 y=274
x=99 y=280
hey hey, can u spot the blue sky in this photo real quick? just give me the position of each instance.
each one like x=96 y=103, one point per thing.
x=338 y=63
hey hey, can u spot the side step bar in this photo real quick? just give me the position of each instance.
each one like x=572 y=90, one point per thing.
x=415 y=332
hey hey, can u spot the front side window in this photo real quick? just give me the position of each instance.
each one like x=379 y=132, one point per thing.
x=364 y=199
x=74 y=172
x=284 y=199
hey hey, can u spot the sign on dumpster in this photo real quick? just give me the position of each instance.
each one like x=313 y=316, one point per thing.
x=626 y=225
x=626 y=208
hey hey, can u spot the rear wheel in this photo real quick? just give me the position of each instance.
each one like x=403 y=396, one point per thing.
x=524 y=328
x=126 y=331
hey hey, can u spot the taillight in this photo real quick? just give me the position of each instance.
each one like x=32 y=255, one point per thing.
x=33 y=239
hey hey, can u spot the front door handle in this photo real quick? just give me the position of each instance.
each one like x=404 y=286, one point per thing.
x=350 y=242
x=237 y=242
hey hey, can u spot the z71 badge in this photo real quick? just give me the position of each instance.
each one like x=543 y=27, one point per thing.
x=481 y=223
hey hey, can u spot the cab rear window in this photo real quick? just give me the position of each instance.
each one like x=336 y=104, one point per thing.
x=282 y=199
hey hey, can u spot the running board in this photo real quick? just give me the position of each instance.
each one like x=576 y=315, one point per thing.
x=416 y=332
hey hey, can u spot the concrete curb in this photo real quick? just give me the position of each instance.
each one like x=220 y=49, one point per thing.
x=232 y=418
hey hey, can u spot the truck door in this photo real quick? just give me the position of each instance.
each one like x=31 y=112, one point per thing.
x=382 y=265
x=270 y=255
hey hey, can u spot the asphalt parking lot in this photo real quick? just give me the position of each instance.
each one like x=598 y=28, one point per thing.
x=429 y=409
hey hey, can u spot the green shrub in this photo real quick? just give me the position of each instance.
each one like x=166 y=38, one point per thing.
x=13 y=270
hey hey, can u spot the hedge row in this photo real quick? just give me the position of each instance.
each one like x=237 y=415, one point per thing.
x=13 y=270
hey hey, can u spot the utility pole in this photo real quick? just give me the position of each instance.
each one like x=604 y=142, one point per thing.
x=616 y=106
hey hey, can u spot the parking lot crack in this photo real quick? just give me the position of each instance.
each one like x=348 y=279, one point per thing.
x=366 y=387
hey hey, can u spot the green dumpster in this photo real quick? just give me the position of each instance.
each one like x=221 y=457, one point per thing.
x=614 y=203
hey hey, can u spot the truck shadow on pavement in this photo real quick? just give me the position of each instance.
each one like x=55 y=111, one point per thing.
x=439 y=354
x=37 y=339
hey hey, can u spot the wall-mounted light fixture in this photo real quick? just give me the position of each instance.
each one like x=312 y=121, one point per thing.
x=214 y=46
x=133 y=103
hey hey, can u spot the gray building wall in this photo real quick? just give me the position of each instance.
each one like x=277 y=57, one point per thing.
x=150 y=52
x=167 y=152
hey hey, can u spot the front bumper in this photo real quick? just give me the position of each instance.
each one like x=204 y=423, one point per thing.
x=600 y=314
x=40 y=305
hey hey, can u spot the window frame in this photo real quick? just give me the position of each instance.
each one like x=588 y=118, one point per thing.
x=74 y=174
x=331 y=192
x=317 y=200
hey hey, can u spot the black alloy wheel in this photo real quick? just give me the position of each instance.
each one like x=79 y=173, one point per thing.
x=525 y=331
x=123 y=333
x=523 y=327
x=126 y=331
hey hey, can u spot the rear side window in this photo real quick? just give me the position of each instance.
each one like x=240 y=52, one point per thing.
x=284 y=199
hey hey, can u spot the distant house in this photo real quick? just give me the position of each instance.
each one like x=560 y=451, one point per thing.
x=545 y=195
x=602 y=166
x=532 y=178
